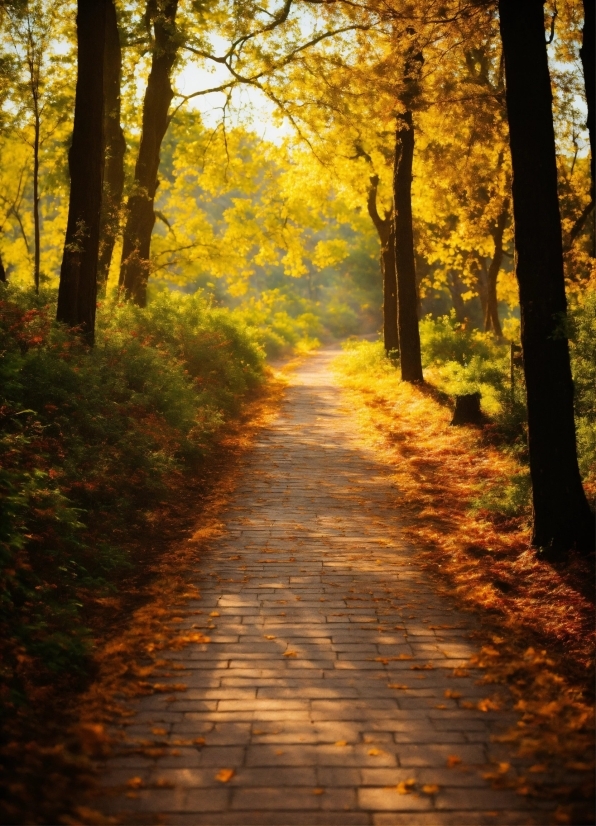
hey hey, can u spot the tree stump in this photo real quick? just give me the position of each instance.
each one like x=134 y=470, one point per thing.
x=467 y=409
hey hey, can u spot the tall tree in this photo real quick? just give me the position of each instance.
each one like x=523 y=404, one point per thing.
x=405 y=263
x=77 y=293
x=140 y=215
x=562 y=517
x=115 y=147
x=386 y=233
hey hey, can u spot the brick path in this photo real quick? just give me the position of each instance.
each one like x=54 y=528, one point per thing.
x=323 y=686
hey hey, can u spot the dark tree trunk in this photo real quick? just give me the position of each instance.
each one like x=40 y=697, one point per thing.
x=491 y=317
x=562 y=517
x=455 y=288
x=481 y=285
x=77 y=294
x=135 y=265
x=588 y=58
x=3 y=278
x=113 y=184
x=384 y=227
x=407 y=298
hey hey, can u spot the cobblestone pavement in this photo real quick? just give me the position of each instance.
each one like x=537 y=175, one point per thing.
x=324 y=685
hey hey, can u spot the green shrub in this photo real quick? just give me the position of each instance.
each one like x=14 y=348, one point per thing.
x=91 y=440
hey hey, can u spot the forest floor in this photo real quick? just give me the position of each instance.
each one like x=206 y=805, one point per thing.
x=311 y=670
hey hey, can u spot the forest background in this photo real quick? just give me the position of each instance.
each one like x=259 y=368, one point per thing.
x=247 y=197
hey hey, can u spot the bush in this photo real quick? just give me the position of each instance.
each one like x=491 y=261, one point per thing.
x=583 y=360
x=93 y=439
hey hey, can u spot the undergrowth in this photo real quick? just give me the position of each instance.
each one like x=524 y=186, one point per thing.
x=91 y=442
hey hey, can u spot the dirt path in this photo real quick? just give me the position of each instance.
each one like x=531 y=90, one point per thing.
x=326 y=683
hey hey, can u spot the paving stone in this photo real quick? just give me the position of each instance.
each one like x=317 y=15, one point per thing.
x=322 y=617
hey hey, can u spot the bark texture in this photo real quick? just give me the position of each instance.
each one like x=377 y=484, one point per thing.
x=562 y=517
x=384 y=227
x=491 y=317
x=115 y=147
x=77 y=294
x=407 y=297
x=140 y=218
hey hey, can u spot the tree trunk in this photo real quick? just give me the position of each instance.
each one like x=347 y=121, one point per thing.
x=77 y=294
x=3 y=278
x=135 y=264
x=407 y=299
x=491 y=318
x=36 y=221
x=588 y=58
x=481 y=275
x=562 y=517
x=454 y=286
x=113 y=184
x=384 y=227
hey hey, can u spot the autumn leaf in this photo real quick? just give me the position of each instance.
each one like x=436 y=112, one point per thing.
x=406 y=786
x=290 y=654
x=397 y=685
x=453 y=695
x=488 y=705
x=225 y=775
x=341 y=743
x=429 y=788
x=135 y=783
x=318 y=791
x=453 y=760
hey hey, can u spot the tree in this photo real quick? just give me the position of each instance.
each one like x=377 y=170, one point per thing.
x=140 y=215
x=115 y=147
x=386 y=230
x=491 y=316
x=405 y=263
x=562 y=517
x=31 y=28
x=77 y=293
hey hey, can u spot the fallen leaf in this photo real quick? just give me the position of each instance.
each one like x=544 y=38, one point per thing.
x=225 y=775
x=214 y=614
x=342 y=743
x=398 y=685
x=159 y=731
x=453 y=760
x=538 y=768
x=164 y=687
x=318 y=791
x=427 y=667
x=488 y=705
x=134 y=783
x=374 y=752
x=452 y=695
x=290 y=654
x=430 y=788
x=269 y=637
x=199 y=741
x=406 y=786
